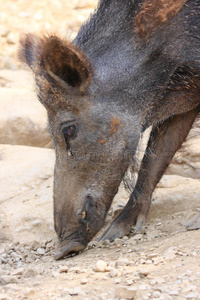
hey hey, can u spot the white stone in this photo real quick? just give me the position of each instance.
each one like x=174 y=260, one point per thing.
x=156 y=294
x=101 y=266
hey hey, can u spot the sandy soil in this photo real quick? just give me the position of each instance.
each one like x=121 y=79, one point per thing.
x=47 y=16
x=163 y=263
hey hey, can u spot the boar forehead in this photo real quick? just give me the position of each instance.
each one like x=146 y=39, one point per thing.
x=98 y=124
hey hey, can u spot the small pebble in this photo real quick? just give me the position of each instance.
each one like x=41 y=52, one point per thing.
x=143 y=287
x=84 y=280
x=113 y=273
x=149 y=261
x=30 y=273
x=152 y=282
x=173 y=293
x=64 y=269
x=123 y=262
x=12 y=38
x=129 y=282
x=101 y=266
x=152 y=255
x=158 y=260
x=138 y=237
x=143 y=272
x=4 y=31
x=142 y=261
x=160 y=280
x=41 y=251
x=118 y=280
x=118 y=242
x=18 y=271
x=106 y=243
x=132 y=242
x=156 y=294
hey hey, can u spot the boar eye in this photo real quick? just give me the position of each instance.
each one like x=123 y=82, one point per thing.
x=69 y=132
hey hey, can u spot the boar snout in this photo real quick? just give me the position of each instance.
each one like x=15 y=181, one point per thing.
x=76 y=225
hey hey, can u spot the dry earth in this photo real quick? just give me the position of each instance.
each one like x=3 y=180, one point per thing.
x=163 y=263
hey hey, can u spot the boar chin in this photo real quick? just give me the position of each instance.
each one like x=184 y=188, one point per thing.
x=73 y=247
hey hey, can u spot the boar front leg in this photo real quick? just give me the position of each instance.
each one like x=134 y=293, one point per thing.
x=165 y=139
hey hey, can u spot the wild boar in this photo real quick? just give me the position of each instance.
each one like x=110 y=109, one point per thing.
x=133 y=64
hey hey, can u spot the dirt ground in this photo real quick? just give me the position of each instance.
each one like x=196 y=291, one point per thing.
x=163 y=263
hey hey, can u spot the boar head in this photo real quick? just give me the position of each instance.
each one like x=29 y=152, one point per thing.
x=91 y=134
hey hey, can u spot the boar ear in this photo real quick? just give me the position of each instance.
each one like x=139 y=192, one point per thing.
x=66 y=64
x=30 y=50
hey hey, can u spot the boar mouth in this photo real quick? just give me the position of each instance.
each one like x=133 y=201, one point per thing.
x=74 y=247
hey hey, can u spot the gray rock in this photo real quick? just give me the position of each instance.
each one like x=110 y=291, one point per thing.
x=18 y=271
x=113 y=272
x=30 y=273
x=138 y=236
x=118 y=242
x=41 y=251
x=7 y=279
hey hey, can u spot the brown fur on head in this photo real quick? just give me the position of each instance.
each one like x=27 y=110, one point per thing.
x=155 y=13
x=60 y=59
x=114 y=124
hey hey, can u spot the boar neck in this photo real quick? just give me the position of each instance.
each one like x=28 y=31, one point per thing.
x=130 y=72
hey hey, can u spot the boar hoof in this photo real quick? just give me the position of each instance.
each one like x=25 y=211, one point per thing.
x=111 y=232
x=139 y=228
x=71 y=248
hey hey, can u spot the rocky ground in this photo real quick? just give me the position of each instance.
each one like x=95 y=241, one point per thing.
x=163 y=263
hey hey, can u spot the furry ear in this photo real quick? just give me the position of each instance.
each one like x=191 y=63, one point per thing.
x=66 y=63
x=30 y=50
x=61 y=60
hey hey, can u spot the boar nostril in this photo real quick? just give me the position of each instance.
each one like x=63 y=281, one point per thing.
x=74 y=247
